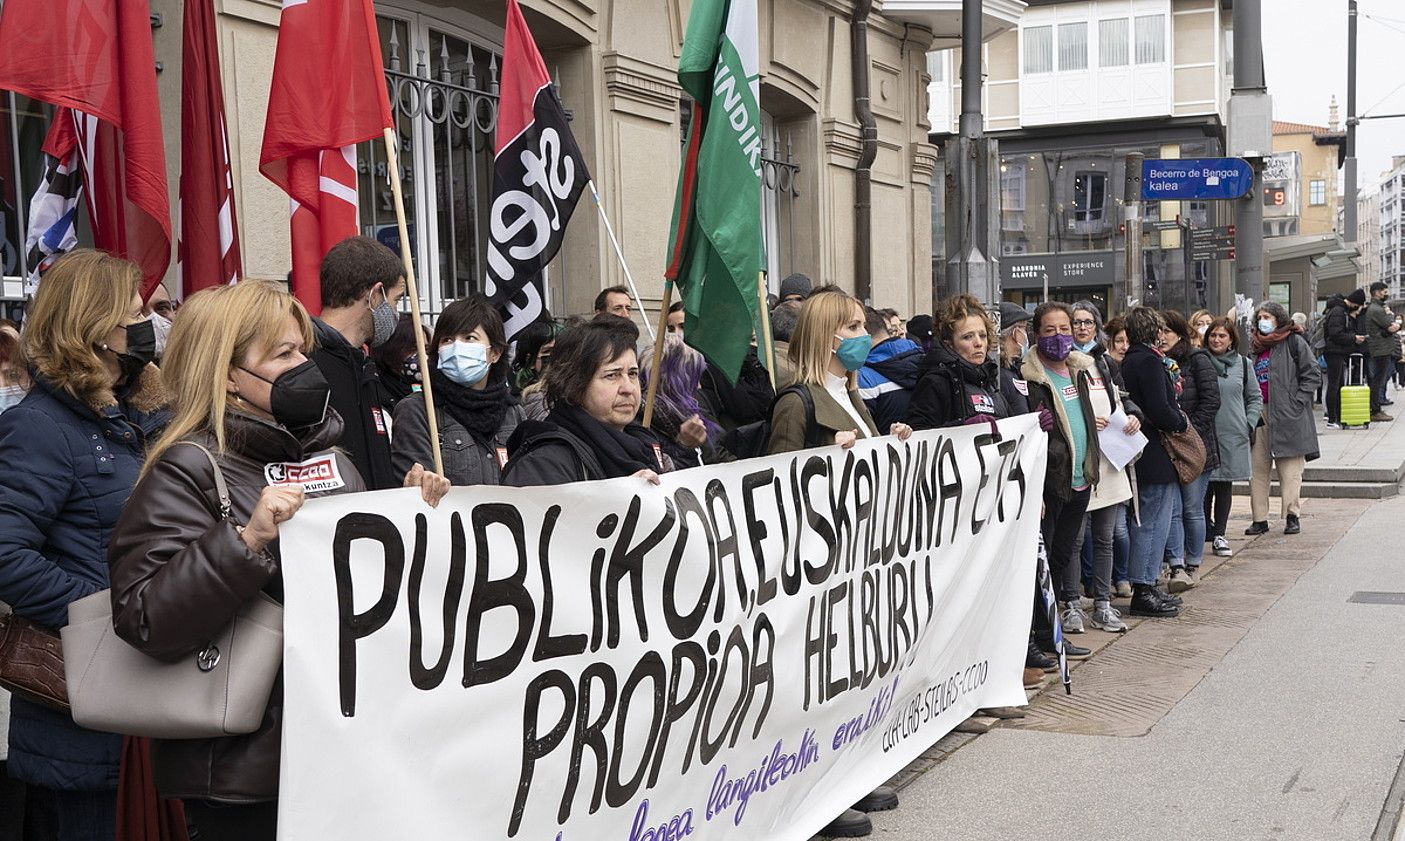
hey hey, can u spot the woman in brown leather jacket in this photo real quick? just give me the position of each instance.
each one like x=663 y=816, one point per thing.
x=238 y=371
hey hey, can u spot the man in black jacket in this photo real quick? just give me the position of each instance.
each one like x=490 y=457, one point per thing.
x=362 y=282
x=1340 y=341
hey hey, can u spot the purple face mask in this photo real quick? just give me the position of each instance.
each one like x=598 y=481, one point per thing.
x=1056 y=347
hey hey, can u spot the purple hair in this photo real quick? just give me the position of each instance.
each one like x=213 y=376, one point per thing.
x=682 y=368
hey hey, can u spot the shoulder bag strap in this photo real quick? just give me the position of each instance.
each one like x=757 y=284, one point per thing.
x=226 y=507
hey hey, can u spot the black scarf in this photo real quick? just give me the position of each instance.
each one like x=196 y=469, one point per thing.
x=480 y=412
x=619 y=453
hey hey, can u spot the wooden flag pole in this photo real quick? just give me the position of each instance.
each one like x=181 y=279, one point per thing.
x=392 y=163
x=769 y=349
x=658 y=353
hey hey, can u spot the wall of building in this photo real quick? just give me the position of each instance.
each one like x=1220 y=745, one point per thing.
x=1316 y=164
x=616 y=62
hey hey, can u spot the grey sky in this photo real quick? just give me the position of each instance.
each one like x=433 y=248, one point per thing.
x=1305 y=61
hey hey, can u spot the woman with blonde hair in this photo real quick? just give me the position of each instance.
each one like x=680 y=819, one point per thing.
x=249 y=400
x=1199 y=326
x=72 y=450
x=827 y=348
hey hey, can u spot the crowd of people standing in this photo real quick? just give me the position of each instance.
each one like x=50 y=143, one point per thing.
x=108 y=484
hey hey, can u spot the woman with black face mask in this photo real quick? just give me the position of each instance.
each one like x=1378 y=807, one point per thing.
x=247 y=395
x=72 y=452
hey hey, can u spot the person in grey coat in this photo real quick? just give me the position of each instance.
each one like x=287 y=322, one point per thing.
x=1288 y=376
x=1241 y=404
x=476 y=413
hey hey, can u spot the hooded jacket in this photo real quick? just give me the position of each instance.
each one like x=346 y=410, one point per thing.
x=1339 y=329
x=1058 y=479
x=180 y=573
x=952 y=390
x=886 y=380
x=69 y=469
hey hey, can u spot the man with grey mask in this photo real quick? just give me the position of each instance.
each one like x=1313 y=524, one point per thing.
x=362 y=283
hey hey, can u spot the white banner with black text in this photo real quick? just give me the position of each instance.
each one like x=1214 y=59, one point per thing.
x=739 y=652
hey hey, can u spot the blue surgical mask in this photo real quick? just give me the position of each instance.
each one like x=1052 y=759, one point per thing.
x=1266 y=326
x=1086 y=348
x=466 y=363
x=853 y=351
x=10 y=396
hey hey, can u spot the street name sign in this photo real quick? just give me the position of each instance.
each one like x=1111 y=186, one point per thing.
x=1199 y=179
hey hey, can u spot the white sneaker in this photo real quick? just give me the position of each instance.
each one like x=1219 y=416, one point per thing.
x=1222 y=547
x=1072 y=618
x=1179 y=581
x=1107 y=618
x=1333 y=425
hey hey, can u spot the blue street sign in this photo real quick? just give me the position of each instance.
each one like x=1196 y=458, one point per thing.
x=1201 y=179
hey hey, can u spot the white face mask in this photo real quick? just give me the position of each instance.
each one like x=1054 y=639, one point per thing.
x=161 y=326
x=1203 y=329
x=10 y=396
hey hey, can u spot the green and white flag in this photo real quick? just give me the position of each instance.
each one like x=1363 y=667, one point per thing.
x=715 y=250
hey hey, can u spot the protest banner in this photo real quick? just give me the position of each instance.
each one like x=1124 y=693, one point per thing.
x=740 y=652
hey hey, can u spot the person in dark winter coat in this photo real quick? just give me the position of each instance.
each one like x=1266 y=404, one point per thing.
x=475 y=411
x=959 y=382
x=244 y=389
x=362 y=282
x=748 y=400
x=886 y=380
x=1200 y=400
x=1340 y=340
x=398 y=362
x=593 y=391
x=72 y=450
x=1144 y=371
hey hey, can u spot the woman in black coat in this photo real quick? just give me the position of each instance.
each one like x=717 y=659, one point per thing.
x=958 y=382
x=1200 y=400
x=1146 y=374
x=593 y=390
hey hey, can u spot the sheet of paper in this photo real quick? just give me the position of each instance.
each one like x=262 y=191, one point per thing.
x=1119 y=447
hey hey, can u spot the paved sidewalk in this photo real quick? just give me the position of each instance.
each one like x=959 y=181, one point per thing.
x=1296 y=733
x=1374 y=454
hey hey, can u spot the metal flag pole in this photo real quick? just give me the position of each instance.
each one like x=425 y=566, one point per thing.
x=392 y=163
x=609 y=229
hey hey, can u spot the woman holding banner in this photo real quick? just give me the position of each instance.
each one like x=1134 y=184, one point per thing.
x=593 y=390
x=246 y=393
x=828 y=346
x=476 y=413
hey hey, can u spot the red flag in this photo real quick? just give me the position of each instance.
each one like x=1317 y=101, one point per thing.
x=207 y=250
x=328 y=94
x=95 y=56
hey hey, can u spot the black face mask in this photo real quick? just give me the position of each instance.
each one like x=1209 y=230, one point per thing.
x=299 y=395
x=141 y=350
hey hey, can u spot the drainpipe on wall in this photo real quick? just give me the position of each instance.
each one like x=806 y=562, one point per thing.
x=868 y=150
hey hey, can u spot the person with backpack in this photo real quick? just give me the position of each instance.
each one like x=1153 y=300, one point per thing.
x=1334 y=338
x=829 y=345
x=959 y=382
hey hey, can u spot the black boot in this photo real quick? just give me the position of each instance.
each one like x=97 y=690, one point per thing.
x=1257 y=527
x=850 y=824
x=1293 y=526
x=1145 y=603
x=1163 y=596
x=881 y=799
